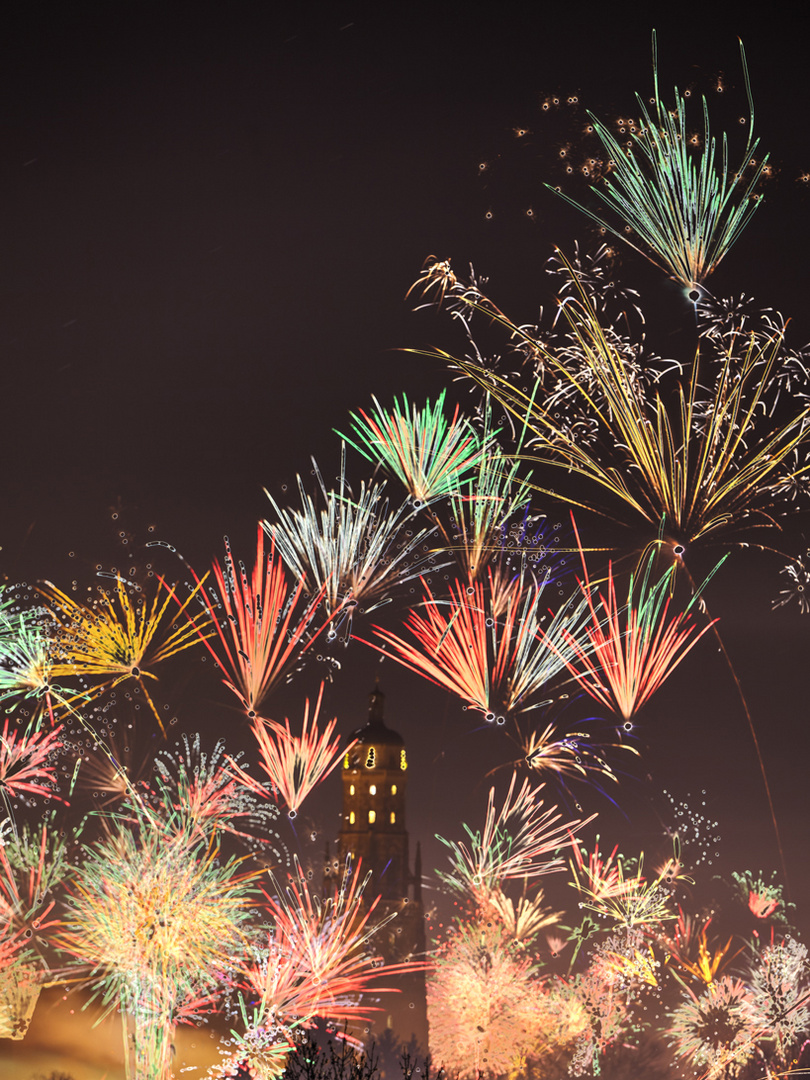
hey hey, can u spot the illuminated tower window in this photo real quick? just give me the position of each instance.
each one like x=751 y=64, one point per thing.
x=403 y=761
x=351 y=789
x=352 y=817
x=346 y=762
x=371 y=759
x=393 y=818
x=372 y=816
x=393 y=789
x=373 y=789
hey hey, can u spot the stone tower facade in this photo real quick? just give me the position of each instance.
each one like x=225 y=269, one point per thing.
x=375 y=780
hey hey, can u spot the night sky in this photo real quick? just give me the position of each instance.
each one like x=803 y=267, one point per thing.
x=210 y=219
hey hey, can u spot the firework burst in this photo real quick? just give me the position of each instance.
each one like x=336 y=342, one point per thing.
x=493 y=664
x=318 y=956
x=427 y=453
x=521 y=840
x=353 y=551
x=687 y=206
x=266 y=626
x=294 y=763
x=158 y=924
x=633 y=649
x=115 y=638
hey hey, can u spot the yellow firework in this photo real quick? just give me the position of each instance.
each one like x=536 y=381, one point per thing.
x=115 y=638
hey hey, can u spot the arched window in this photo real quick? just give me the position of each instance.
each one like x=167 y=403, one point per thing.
x=372 y=816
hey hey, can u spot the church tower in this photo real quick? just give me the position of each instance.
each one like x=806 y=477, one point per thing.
x=375 y=779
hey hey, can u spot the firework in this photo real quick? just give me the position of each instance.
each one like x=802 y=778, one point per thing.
x=609 y=892
x=707 y=462
x=687 y=947
x=27 y=762
x=353 y=550
x=569 y=754
x=521 y=840
x=318 y=957
x=687 y=206
x=522 y=920
x=266 y=626
x=197 y=797
x=491 y=663
x=764 y=899
x=115 y=638
x=157 y=924
x=482 y=510
x=427 y=453
x=294 y=763
x=712 y=1031
x=486 y=1003
x=27 y=662
x=778 y=1007
x=32 y=864
x=635 y=648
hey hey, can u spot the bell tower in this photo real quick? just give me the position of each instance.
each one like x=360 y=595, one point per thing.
x=375 y=780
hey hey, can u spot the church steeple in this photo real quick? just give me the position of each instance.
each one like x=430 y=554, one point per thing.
x=375 y=778
x=374 y=787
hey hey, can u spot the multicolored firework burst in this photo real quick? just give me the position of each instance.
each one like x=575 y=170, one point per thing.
x=428 y=454
x=318 y=957
x=159 y=924
x=633 y=649
x=521 y=840
x=486 y=1004
x=712 y=1031
x=353 y=551
x=496 y=664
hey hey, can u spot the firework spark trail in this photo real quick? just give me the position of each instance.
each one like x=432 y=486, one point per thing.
x=427 y=453
x=706 y=466
x=491 y=663
x=265 y=631
x=157 y=922
x=27 y=761
x=516 y=842
x=685 y=206
x=199 y=798
x=294 y=763
x=633 y=649
x=115 y=638
x=353 y=551
x=318 y=958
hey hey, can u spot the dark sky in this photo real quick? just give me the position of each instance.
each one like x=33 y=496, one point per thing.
x=210 y=218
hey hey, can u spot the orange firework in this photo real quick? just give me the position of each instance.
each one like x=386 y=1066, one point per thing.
x=262 y=636
x=294 y=763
